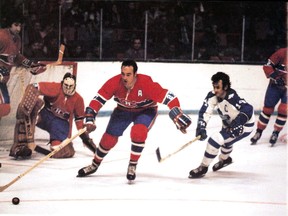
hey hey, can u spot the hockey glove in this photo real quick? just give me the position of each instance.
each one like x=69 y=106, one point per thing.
x=279 y=81
x=181 y=120
x=4 y=74
x=90 y=116
x=35 y=67
x=201 y=130
x=236 y=127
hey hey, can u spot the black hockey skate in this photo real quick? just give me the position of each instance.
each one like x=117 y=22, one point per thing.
x=198 y=172
x=255 y=138
x=85 y=171
x=274 y=137
x=131 y=172
x=222 y=163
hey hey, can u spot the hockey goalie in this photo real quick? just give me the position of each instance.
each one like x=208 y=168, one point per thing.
x=52 y=107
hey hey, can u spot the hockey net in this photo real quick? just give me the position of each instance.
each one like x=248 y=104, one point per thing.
x=19 y=79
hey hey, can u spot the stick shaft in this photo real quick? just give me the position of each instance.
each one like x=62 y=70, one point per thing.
x=60 y=56
x=160 y=159
x=62 y=145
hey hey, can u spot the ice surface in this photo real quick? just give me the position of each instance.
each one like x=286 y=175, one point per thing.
x=255 y=184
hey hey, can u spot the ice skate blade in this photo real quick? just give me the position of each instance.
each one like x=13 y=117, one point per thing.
x=131 y=182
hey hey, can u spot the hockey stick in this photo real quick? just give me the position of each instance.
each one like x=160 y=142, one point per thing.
x=60 y=56
x=58 y=148
x=161 y=159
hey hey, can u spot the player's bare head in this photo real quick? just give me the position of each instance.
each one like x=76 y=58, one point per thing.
x=131 y=63
x=14 y=18
x=69 y=84
x=224 y=78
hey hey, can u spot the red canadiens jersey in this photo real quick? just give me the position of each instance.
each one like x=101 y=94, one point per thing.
x=10 y=46
x=277 y=60
x=145 y=93
x=74 y=105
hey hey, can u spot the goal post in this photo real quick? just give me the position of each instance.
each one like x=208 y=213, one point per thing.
x=19 y=78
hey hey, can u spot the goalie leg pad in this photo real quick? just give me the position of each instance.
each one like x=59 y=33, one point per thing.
x=25 y=128
x=20 y=146
x=67 y=152
x=29 y=100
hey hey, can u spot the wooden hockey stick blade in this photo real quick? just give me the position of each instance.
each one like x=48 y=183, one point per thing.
x=58 y=148
x=160 y=159
x=60 y=56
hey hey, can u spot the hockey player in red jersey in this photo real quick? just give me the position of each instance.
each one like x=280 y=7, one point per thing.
x=276 y=70
x=54 y=114
x=10 y=45
x=136 y=96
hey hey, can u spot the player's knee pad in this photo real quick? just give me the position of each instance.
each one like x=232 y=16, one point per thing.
x=139 y=133
x=282 y=109
x=4 y=109
x=268 y=110
x=108 y=141
x=66 y=152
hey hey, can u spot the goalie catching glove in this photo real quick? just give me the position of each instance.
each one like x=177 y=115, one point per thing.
x=181 y=120
x=35 y=67
x=201 y=130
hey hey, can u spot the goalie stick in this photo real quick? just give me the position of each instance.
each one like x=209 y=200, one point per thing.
x=62 y=145
x=161 y=159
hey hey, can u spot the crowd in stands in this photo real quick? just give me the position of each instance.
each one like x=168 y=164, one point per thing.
x=114 y=30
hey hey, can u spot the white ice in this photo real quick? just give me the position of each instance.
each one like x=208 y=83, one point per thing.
x=255 y=184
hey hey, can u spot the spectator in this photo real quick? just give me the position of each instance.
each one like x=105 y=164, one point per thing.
x=135 y=51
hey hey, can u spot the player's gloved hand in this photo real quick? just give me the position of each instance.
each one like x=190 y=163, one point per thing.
x=181 y=120
x=35 y=67
x=279 y=81
x=4 y=74
x=235 y=129
x=201 y=130
x=88 y=142
x=90 y=126
x=90 y=116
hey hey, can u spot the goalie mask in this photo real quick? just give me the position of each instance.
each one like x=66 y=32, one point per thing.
x=69 y=84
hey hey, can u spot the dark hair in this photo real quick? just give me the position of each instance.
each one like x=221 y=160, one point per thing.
x=224 y=77
x=130 y=63
x=14 y=17
x=70 y=75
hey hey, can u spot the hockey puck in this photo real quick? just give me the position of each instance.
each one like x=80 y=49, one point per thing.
x=15 y=200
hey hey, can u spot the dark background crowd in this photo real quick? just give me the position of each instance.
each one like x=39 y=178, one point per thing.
x=185 y=31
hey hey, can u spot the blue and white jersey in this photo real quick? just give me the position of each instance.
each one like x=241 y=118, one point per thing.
x=227 y=108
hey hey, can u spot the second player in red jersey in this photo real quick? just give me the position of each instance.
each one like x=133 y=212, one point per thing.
x=136 y=96
x=275 y=70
